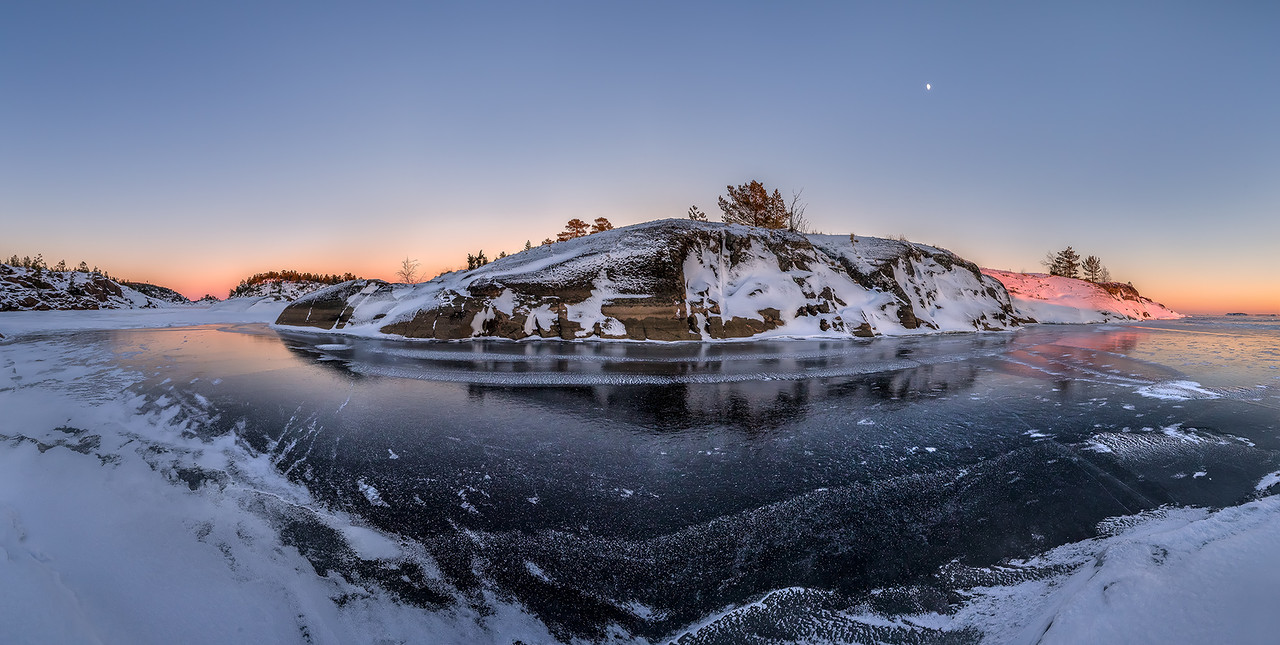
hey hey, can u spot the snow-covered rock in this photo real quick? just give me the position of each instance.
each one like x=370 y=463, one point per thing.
x=679 y=280
x=278 y=290
x=23 y=289
x=1056 y=299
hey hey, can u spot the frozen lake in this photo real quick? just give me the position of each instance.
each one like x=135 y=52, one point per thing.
x=623 y=490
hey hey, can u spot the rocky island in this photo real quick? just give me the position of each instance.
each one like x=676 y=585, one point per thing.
x=674 y=280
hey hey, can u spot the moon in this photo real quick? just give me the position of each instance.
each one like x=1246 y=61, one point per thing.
x=927 y=87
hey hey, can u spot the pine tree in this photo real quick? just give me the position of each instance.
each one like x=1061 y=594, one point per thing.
x=601 y=225
x=476 y=261
x=1066 y=264
x=528 y=244
x=697 y=215
x=573 y=229
x=1092 y=268
x=752 y=205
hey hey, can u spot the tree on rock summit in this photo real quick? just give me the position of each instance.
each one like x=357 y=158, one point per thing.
x=752 y=205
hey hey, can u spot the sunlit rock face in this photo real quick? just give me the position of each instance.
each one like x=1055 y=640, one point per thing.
x=673 y=280
x=1058 y=299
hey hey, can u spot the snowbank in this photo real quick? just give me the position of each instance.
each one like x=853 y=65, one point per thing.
x=1055 y=299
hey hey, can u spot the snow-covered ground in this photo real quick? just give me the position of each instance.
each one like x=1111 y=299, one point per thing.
x=119 y=525
x=236 y=310
x=1055 y=299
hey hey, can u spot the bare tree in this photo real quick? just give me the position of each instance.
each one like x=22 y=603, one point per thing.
x=796 y=220
x=408 y=270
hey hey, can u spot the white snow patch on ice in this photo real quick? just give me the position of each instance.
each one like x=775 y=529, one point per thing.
x=370 y=493
x=1176 y=391
x=1268 y=481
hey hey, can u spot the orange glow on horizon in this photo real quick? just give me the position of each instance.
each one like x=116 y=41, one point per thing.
x=1185 y=298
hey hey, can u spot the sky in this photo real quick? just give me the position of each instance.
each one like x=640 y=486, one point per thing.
x=192 y=144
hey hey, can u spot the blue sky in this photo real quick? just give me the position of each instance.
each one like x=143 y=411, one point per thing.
x=192 y=144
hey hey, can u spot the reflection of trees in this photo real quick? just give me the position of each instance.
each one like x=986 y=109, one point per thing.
x=747 y=406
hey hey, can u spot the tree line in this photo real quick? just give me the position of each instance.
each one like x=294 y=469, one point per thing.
x=38 y=265
x=1068 y=264
x=288 y=275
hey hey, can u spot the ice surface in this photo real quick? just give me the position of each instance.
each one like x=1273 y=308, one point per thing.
x=118 y=525
x=1168 y=576
x=125 y=518
x=14 y=324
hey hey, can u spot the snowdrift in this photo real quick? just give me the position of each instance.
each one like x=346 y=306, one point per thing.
x=679 y=280
x=1055 y=299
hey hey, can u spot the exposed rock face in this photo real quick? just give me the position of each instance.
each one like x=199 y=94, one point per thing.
x=1121 y=290
x=678 y=280
x=24 y=289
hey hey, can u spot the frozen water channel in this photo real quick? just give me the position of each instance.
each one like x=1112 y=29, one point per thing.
x=710 y=493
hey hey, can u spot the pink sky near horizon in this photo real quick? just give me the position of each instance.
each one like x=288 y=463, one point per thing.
x=195 y=272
